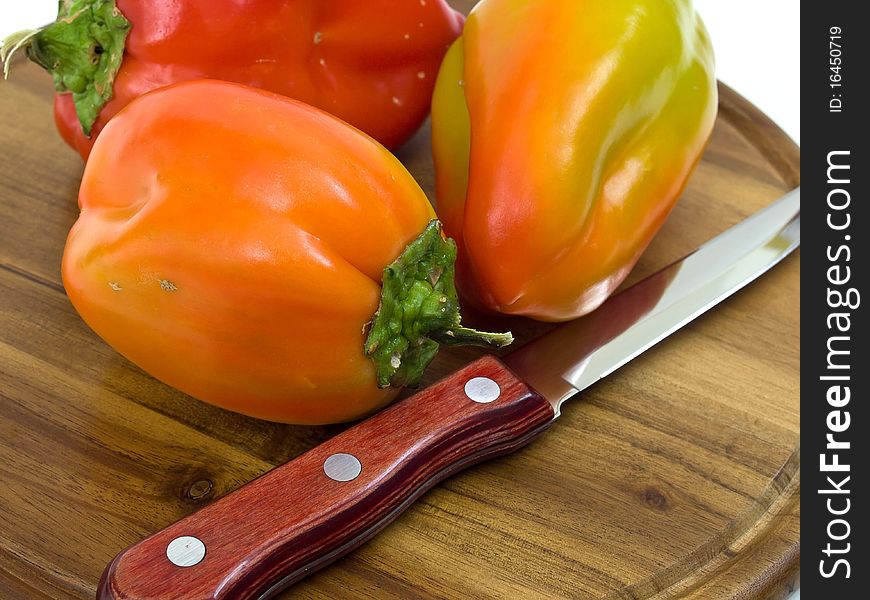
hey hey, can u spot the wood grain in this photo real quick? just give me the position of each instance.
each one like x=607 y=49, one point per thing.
x=678 y=476
x=294 y=520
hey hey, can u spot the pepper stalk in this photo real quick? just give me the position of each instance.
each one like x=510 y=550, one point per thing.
x=82 y=50
x=419 y=311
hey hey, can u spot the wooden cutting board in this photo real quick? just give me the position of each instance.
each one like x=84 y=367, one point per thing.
x=677 y=476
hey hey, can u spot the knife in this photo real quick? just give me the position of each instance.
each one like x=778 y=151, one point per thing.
x=303 y=515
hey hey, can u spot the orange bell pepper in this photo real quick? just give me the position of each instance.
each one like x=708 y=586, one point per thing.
x=564 y=131
x=232 y=243
x=371 y=63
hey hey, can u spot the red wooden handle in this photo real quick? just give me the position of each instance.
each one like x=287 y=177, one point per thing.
x=301 y=516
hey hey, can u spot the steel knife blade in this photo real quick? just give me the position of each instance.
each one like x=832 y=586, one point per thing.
x=577 y=354
x=316 y=508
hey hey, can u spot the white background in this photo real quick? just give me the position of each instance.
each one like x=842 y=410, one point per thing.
x=757 y=46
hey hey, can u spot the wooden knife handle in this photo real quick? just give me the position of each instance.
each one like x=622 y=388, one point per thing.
x=301 y=516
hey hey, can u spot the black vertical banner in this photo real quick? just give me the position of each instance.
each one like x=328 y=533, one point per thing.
x=835 y=424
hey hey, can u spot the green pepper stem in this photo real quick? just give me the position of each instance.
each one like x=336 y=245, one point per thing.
x=419 y=310
x=82 y=50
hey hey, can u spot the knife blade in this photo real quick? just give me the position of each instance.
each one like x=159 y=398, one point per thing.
x=316 y=508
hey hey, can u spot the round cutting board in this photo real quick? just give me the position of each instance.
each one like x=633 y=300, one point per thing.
x=676 y=476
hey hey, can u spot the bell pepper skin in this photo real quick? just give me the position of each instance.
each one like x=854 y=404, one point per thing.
x=231 y=242
x=563 y=133
x=372 y=64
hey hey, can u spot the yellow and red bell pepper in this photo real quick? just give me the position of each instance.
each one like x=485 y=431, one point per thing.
x=563 y=132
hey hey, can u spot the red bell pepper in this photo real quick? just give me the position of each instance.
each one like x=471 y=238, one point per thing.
x=372 y=64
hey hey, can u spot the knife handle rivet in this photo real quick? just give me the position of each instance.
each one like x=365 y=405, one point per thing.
x=482 y=390
x=185 y=551
x=342 y=467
